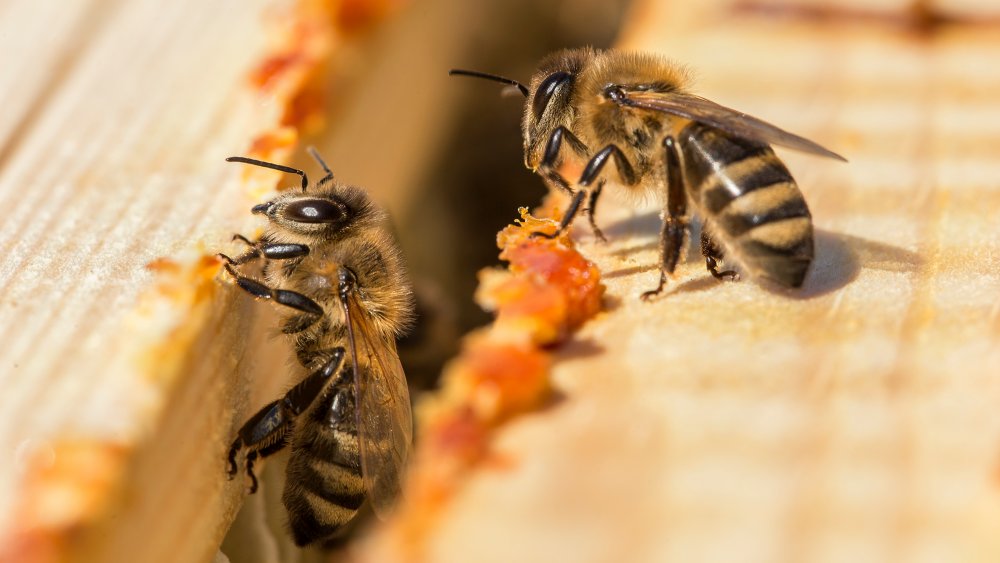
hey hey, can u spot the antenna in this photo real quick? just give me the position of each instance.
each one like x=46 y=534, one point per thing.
x=488 y=76
x=272 y=166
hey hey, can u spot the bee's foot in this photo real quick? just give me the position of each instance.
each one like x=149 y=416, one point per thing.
x=728 y=275
x=653 y=293
x=243 y=239
x=647 y=296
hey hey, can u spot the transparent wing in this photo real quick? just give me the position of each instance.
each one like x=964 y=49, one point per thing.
x=735 y=122
x=385 y=424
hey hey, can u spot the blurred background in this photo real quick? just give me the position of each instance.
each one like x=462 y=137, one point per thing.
x=444 y=153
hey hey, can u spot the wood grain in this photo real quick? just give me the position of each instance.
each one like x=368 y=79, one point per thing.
x=853 y=420
x=120 y=368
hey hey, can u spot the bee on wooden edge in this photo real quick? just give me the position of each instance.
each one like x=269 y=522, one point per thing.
x=626 y=119
x=329 y=262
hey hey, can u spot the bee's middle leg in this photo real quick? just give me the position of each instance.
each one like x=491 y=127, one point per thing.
x=285 y=297
x=593 y=171
x=674 y=226
x=592 y=209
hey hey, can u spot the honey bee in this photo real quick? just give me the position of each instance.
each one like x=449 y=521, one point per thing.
x=331 y=264
x=626 y=119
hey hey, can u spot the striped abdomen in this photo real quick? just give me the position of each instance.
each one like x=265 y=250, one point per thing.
x=323 y=485
x=749 y=203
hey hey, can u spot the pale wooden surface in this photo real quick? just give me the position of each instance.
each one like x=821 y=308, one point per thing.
x=115 y=410
x=854 y=420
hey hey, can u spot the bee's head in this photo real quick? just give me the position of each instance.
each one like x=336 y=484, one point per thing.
x=326 y=210
x=550 y=100
x=331 y=213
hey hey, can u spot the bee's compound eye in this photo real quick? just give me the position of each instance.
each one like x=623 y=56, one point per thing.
x=546 y=89
x=314 y=211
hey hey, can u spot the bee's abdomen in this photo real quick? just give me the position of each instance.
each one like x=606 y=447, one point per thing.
x=323 y=487
x=750 y=203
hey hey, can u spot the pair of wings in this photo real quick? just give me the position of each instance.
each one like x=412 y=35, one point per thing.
x=729 y=120
x=384 y=420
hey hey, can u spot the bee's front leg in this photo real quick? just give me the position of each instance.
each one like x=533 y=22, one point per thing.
x=551 y=160
x=548 y=168
x=267 y=250
x=263 y=434
x=252 y=253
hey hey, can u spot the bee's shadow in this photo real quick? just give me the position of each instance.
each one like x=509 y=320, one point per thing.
x=839 y=257
x=638 y=227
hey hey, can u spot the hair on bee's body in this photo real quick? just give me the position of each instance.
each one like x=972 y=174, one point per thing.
x=329 y=259
x=374 y=258
x=626 y=119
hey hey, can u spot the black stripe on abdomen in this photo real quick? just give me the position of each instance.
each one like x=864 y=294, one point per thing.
x=786 y=264
x=741 y=178
x=706 y=148
x=719 y=168
x=323 y=484
x=333 y=483
x=736 y=223
x=321 y=497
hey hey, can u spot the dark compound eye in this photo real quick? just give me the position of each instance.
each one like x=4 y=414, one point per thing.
x=314 y=211
x=545 y=90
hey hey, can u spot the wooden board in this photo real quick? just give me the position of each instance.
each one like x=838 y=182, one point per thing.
x=853 y=420
x=123 y=359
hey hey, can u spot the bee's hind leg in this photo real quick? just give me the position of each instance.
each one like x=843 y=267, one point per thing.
x=251 y=458
x=266 y=432
x=713 y=253
x=233 y=450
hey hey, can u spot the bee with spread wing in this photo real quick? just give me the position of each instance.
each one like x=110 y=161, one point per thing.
x=329 y=260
